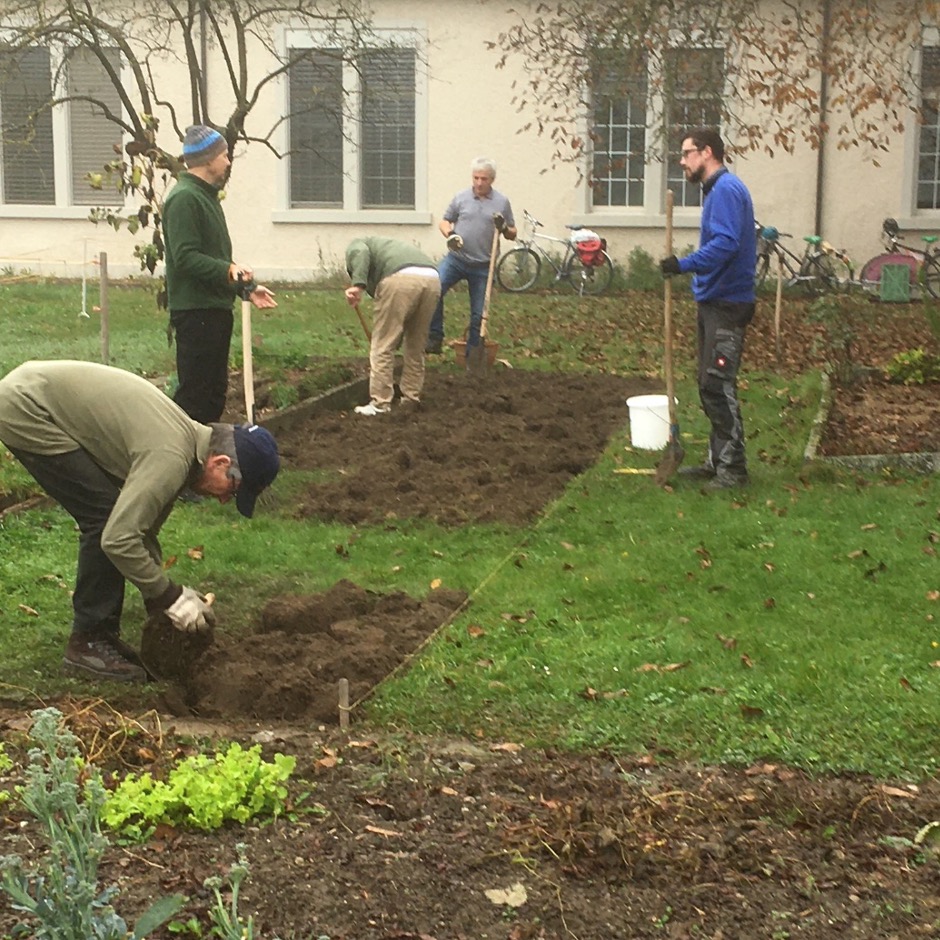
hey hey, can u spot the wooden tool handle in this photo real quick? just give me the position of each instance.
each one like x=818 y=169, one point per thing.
x=667 y=317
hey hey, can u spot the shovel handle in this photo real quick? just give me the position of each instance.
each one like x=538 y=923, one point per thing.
x=667 y=319
x=489 y=284
x=365 y=327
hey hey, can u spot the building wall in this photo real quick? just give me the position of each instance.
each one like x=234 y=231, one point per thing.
x=469 y=113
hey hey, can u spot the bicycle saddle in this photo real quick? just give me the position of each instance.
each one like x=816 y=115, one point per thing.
x=890 y=227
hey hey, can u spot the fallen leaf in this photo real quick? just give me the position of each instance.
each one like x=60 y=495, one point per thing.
x=507 y=746
x=746 y=661
x=728 y=642
x=758 y=769
x=751 y=712
x=869 y=526
x=933 y=595
x=436 y=583
x=29 y=610
x=475 y=630
x=905 y=684
x=515 y=896
x=929 y=835
x=769 y=603
x=196 y=552
x=567 y=545
x=770 y=566
x=897 y=791
x=388 y=833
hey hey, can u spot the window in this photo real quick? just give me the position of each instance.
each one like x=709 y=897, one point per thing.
x=619 y=135
x=47 y=150
x=694 y=82
x=928 y=151
x=629 y=100
x=26 y=127
x=353 y=129
x=92 y=137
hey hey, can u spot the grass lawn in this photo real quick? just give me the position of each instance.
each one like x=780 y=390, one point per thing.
x=795 y=623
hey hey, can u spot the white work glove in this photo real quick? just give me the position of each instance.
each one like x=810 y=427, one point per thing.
x=192 y=611
x=454 y=242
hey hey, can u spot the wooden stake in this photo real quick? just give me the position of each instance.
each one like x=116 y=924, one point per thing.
x=343 y=704
x=778 y=304
x=105 y=312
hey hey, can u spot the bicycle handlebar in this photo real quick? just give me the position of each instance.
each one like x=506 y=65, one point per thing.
x=531 y=219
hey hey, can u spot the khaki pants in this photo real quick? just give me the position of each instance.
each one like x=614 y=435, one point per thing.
x=404 y=305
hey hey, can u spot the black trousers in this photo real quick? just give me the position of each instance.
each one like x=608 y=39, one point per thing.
x=88 y=495
x=721 y=330
x=202 y=346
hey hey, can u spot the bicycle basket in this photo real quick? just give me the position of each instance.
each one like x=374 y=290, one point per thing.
x=590 y=247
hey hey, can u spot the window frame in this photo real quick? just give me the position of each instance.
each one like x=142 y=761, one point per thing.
x=917 y=219
x=351 y=211
x=652 y=212
x=64 y=207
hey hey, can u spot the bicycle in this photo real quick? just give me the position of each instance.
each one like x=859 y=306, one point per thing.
x=821 y=267
x=585 y=265
x=923 y=263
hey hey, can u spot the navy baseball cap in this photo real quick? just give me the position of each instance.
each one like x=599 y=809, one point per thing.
x=258 y=463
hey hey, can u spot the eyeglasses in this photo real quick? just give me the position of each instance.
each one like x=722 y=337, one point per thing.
x=684 y=153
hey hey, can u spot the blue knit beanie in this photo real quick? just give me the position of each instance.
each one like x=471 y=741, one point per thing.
x=201 y=145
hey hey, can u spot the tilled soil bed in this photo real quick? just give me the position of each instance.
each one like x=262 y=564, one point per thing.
x=404 y=839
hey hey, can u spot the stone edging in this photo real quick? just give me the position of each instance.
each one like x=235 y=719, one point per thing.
x=925 y=462
x=336 y=399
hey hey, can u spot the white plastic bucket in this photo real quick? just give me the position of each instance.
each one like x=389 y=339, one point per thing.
x=649 y=421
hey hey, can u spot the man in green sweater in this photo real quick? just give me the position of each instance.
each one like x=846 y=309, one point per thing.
x=404 y=284
x=202 y=281
x=115 y=452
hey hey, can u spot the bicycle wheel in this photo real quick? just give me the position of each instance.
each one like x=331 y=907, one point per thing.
x=931 y=275
x=838 y=271
x=823 y=272
x=591 y=279
x=518 y=269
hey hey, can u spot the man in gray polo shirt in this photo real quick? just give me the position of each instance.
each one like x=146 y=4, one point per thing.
x=468 y=226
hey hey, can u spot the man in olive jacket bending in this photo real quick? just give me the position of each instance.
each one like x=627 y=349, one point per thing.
x=115 y=452
x=404 y=284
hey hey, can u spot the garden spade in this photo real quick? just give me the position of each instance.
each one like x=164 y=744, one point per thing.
x=672 y=456
x=477 y=360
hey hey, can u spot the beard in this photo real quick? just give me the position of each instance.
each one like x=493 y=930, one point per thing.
x=695 y=176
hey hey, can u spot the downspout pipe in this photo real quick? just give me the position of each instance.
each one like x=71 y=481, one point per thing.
x=823 y=115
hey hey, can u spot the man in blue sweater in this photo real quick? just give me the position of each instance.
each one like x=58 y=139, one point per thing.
x=723 y=287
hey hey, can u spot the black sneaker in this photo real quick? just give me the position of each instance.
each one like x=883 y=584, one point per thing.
x=701 y=472
x=434 y=347
x=104 y=657
x=726 y=481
